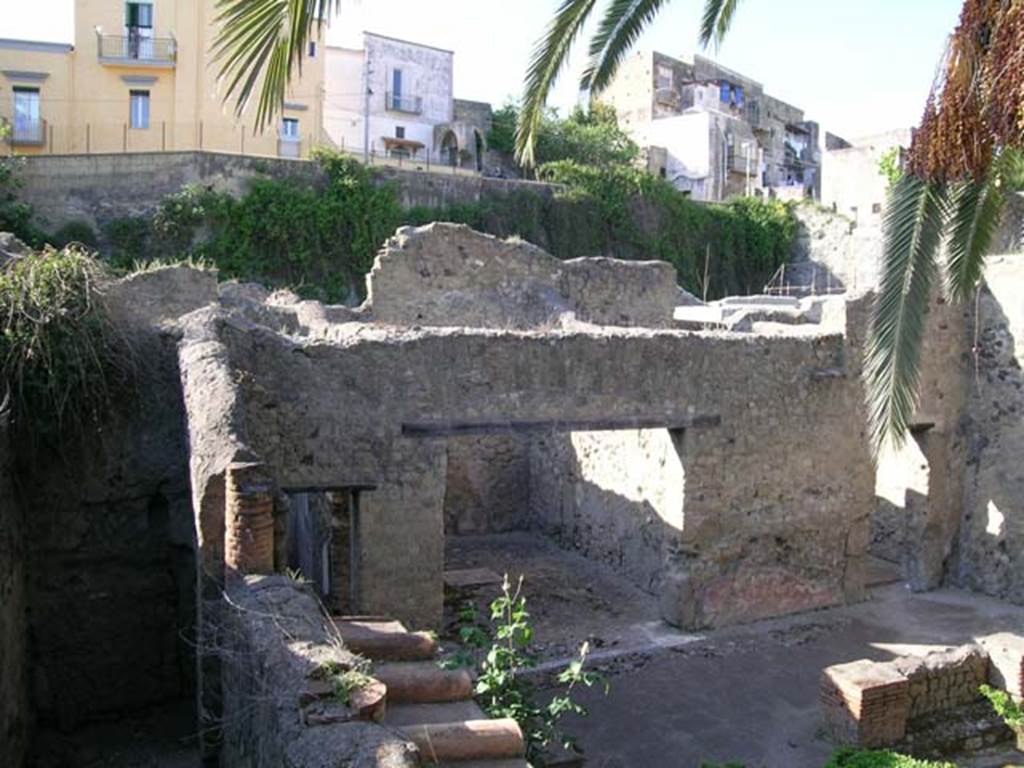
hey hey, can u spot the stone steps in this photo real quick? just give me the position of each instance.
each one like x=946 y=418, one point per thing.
x=385 y=640
x=424 y=682
x=467 y=740
x=431 y=706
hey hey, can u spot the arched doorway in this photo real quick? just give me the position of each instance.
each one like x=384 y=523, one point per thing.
x=478 y=140
x=450 y=149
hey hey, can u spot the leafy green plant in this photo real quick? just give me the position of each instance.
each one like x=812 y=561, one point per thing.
x=849 y=757
x=1004 y=705
x=75 y=231
x=890 y=164
x=15 y=215
x=503 y=691
x=345 y=679
x=61 y=358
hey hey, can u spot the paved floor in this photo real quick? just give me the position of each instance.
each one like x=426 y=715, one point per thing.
x=748 y=694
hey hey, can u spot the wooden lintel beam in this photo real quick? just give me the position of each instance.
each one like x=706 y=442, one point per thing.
x=457 y=428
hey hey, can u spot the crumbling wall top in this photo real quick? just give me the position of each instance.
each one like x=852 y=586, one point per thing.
x=450 y=275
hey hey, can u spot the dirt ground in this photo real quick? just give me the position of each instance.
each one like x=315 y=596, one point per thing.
x=747 y=694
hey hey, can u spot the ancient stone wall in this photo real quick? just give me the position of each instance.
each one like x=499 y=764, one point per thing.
x=487 y=486
x=617 y=497
x=14 y=714
x=449 y=275
x=881 y=704
x=110 y=538
x=991 y=556
x=275 y=640
x=356 y=403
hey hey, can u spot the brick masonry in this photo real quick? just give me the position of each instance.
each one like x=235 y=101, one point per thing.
x=881 y=704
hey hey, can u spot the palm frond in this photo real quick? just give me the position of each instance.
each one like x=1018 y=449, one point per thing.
x=260 y=46
x=975 y=208
x=914 y=222
x=716 y=20
x=549 y=56
x=622 y=24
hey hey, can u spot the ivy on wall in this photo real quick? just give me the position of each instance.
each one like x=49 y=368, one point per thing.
x=320 y=239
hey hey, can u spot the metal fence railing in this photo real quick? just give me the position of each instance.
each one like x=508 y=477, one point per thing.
x=398 y=102
x=115 y=137
x=27 y=133
x=137 y=47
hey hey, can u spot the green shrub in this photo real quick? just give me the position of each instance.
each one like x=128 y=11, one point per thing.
x=129 y=241
x=75 y=231
x=1004 y=705
x=868 y=758
x=61 y=359
x=16 y=216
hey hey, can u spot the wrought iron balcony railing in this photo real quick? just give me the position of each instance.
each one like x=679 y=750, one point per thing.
x=137 y=49
x=399 y=102
x=27 y=133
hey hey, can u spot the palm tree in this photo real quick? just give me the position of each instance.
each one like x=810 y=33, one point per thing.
x=964 y=154
x=260 y=44
x=969 y=144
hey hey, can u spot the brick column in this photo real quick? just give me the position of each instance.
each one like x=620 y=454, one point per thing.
x=865 y=703
x=341 y=552
x=249 y=521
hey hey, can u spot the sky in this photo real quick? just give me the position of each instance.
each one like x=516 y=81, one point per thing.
x=857 y=67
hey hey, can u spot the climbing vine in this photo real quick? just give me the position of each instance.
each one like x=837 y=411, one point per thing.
x=320 y=238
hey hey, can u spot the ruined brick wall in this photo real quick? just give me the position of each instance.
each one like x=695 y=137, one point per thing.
x=14 y=714
x=991 y=555
x=881 y=704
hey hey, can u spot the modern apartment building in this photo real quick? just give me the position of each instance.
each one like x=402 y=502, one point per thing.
x=714 y=132
x=395 y=98
x=139 y=77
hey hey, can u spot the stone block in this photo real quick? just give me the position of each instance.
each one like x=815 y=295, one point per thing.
x=1006 y=656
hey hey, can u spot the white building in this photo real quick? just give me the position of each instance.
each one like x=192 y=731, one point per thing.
x=395 y=98
x=852 y=183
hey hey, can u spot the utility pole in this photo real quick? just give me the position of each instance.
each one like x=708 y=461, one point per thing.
x=366 y=111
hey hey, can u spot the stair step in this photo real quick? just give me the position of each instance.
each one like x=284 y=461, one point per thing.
x=423 y=681
x=513 y=763
x=386 y=640
x=467 y=740
x=439 y=712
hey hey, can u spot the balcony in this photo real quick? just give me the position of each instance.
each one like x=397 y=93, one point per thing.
x=136 y=50
x=27 y=133
x=288 y=145
x=399 y=102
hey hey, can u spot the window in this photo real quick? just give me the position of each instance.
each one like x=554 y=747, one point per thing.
x=312 y=49
x=140 y=109
x=876 y=207
x=664 y=77
x=138 y=22
x=399 y=131
x=27 y=124
x=290 y=128
x=138 y=15
x=396 y=83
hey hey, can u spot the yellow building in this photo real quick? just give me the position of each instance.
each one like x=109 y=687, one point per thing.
x=139 y=77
